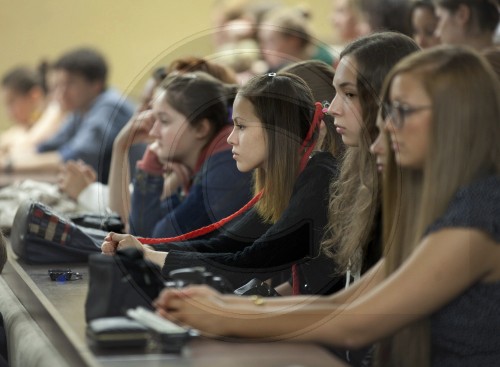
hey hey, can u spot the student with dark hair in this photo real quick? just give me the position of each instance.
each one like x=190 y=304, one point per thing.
x=96 y=115
x=187 y=178
x=348 y=21
x=467 y=22
x=386 y=15
x=32 y=108
x=180 y=195
x=423 y=22
x=285 y=37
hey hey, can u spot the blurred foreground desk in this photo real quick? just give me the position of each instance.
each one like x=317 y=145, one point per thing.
x=58 y=310
x=7 y=179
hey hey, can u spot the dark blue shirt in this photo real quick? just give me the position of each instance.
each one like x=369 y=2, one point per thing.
x=90 y=136
x=218 y=190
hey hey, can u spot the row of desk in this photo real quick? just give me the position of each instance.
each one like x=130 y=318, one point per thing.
x=46 y=326
x=57 y=309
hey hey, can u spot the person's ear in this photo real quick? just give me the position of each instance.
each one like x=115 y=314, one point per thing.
x=97 y=86
x=462 y=14
x=203 y=129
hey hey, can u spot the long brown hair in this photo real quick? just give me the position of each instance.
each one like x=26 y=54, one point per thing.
x=285 y=106
x=318 y=75
x=463 y=146
x=354 y=198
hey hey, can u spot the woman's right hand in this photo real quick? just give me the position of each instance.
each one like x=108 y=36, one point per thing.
x=136 y=130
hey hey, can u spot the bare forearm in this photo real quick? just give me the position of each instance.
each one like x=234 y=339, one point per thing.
x=46 y=162
x=119 y=178
x=316 y=322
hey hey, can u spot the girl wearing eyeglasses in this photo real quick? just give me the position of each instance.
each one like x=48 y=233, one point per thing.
x=433 y=298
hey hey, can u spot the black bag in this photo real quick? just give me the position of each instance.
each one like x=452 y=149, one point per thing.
x=109 y=222
x=120 y=282
x=126 y=280
x=39 y=236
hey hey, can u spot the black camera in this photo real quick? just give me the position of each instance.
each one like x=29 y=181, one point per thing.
x=180 y=278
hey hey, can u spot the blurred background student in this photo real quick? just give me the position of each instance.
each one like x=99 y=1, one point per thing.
x=423 y=23
x=96 y=114
x=467 y=22
x=31 y=107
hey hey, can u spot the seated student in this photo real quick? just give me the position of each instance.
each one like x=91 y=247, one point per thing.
x=433 y=299
x=467 y=22
x=348 y=21
x=189 y=127
x=423 y=23
x=272 y=115
x=31 y=106
x=78 y=180
x=353 y=233
x=119 y=199
x=96 y=115
x=285 y=37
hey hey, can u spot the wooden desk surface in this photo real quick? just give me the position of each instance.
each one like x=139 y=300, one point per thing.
x=58 y=308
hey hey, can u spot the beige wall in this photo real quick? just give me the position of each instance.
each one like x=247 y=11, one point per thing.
x=134 y=35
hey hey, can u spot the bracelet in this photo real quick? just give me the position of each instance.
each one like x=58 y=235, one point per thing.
x=257 y=300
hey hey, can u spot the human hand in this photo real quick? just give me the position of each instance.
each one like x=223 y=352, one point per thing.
x=136 y=130
x=200 y=307
x=176 y=175
x=74 y=177
x=117 y=241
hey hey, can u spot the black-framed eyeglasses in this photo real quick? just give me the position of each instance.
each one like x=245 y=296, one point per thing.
x=398 y=112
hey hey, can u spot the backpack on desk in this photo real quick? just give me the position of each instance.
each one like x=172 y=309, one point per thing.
x=40 y=236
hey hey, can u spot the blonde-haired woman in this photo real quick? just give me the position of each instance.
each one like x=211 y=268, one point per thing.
x=434 y=296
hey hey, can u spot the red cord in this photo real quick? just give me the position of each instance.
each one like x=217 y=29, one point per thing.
x=203 y=230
